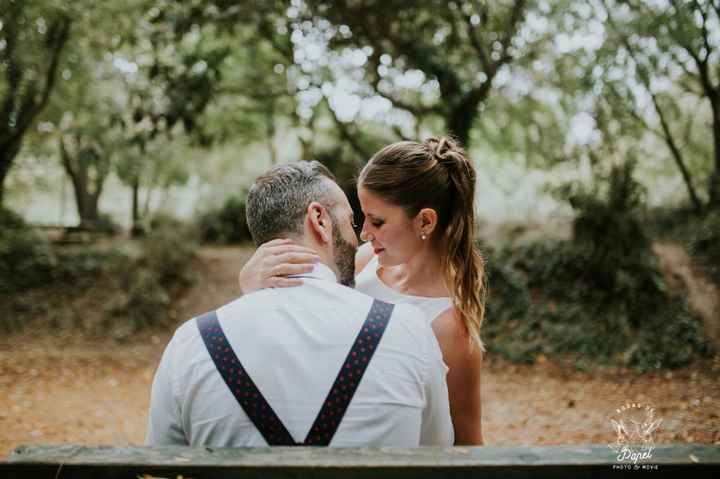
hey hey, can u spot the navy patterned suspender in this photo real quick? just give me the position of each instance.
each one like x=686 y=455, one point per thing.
x=338 y=399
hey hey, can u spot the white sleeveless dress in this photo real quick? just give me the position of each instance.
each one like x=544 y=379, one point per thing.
x=369 y=283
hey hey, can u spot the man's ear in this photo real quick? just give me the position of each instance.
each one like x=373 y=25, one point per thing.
x=319 y=222
x=426 y=221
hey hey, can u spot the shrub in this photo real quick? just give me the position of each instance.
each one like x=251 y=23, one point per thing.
x=106 y=224
x=541 y=303
x=226 y=224
x=599 y=297
x=168 y=250
x=136 y=286
x=145 y=305
x=26 y=259
x=164 y=265
x=671 y=222
x=10 y=219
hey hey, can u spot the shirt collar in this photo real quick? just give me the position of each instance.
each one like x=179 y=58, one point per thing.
x=320 y=271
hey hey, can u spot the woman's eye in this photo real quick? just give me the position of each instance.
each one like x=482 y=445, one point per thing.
x=377 y=224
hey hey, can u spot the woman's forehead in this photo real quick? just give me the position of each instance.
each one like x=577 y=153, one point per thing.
x=374 y=205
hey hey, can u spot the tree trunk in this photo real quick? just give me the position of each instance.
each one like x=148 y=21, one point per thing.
x=465 y=109
x=270 y=123
x=86 y=201
x=459 y=124
x=8 y=152
x=87 y=195
x=137 y=228
x=714 y=182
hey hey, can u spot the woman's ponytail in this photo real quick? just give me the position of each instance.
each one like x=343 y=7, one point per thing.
x=464 y=266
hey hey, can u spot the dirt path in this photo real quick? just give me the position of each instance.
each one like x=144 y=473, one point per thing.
x=703 y=294
x=63 y=389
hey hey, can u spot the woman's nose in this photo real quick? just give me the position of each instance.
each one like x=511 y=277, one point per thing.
x=364 y=235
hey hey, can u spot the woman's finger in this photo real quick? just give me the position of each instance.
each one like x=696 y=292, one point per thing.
x=295 y=258
x=286 y=269
x=280 y=282
x=275 y=242
x=269 y=262
x=288 y=248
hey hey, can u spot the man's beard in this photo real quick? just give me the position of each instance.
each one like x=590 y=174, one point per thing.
x=344 y=258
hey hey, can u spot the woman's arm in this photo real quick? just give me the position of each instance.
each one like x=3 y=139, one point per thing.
x=464 y=359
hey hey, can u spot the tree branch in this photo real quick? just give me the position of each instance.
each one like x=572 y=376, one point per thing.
x=667 y=133
x=704 y=30
x=515 y=17
x=475 y=41
x=58 y=34
x=701 y=64
x=417 y=110
x=398 y=131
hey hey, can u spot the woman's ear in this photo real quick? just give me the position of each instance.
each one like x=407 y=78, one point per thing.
x=426 y=222
x=319 y=222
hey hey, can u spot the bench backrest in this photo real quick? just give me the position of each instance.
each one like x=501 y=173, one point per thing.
x=267 y=463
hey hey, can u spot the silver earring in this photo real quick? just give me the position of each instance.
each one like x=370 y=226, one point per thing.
x=423 y=236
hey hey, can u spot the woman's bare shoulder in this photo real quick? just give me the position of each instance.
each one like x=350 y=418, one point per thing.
x=363 y=256
x=454 y=340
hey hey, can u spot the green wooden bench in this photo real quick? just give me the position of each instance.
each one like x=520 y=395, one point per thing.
x=69 y=461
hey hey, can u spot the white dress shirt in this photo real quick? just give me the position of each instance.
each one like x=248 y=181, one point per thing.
x=292 y=342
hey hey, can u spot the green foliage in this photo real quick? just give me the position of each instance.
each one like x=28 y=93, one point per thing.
x=38 y=279
x=598 y=297
x=470 y=43
x=146 y=303
x=106 y=224
x=608 y=226
x=226 y=224
x=54 y=282
x=543 y=301
x=672 y=222
x=168 y=250
x=10 y=219
x=82 y=266
x=33 y=36
x=26 y=259
x=163 y=267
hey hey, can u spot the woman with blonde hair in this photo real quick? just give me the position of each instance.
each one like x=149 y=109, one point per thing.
x=419 y=225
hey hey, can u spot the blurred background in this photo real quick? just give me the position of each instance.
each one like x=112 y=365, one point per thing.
x=130 y=132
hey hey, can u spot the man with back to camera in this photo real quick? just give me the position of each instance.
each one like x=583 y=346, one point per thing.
x=317 y=364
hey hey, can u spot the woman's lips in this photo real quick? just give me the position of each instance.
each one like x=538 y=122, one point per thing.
x=378 y=250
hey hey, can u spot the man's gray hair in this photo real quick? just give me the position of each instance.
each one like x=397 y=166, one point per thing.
x=278 y=199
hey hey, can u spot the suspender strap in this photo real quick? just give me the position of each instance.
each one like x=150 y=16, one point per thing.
x=348 y=379
x=241 y=385
x=338 y=399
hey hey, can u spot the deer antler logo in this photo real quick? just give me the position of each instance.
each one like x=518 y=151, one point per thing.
x=634 y=437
